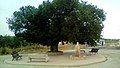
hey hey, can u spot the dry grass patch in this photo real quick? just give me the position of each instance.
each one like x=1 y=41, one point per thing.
x=65 y=47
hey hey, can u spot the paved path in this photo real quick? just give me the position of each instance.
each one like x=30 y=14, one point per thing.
x=62 y=60
x=113 y=61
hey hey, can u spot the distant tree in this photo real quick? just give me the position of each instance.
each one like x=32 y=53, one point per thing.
x=51 y=22
x=1 y=41
x=11 y=41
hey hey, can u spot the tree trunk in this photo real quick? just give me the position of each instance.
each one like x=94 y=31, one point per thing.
x=54 y=48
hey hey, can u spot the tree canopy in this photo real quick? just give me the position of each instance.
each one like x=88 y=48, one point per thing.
x=51 y=22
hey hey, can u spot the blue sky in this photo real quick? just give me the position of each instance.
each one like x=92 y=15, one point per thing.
x=111 y=7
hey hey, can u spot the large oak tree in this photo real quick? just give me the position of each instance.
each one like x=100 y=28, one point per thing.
x=51 y=22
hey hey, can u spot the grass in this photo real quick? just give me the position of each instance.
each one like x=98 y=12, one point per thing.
x=33 y=49
x=43 y=49
x=65 y=47
x=111 y=42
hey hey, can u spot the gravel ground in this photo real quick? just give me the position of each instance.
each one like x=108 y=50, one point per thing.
x=112 y=55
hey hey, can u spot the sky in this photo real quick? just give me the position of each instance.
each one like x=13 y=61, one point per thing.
x=111 y=28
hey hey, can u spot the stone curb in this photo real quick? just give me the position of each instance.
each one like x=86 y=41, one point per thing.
x=73 y=65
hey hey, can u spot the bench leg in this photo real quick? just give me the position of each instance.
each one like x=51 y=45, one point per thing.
x=30 y=59
x=20 y=57
x=17 y=58
x=13 y=59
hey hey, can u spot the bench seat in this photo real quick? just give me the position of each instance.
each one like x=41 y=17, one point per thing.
x=39 y=57
x=16 y=56
x=94 y=51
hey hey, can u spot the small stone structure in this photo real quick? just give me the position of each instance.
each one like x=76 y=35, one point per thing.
x=102 y=42
x=77 y=50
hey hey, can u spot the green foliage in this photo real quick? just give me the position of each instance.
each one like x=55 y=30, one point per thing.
x=5 y=50
x=12 y=41
x=33 y=48
x=51 y=22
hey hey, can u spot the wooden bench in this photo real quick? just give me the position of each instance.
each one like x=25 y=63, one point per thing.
x=94 y=51
x=82 y=50
x=16 y=56
x=39 y=57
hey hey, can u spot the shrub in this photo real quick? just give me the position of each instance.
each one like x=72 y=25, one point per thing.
x=5 y=50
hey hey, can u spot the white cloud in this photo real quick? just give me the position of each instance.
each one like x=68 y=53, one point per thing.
x=7 y=7
x=111 y=7
x=112 y=22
